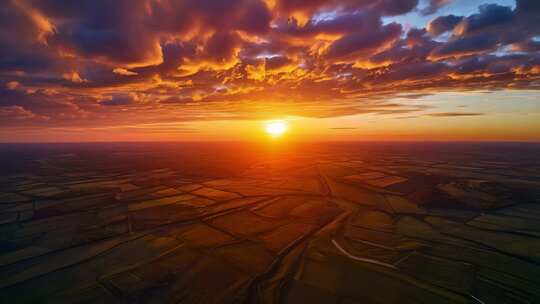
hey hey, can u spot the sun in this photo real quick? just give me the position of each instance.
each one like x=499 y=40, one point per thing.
x=276 y=128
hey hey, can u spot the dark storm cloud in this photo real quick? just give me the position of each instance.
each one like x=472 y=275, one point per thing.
x=527 y=46
x=255 y=18
x=276 y=62
x=434 y=6
x=467 y=45
x=180 y=16
x=384 y=7
x=44 y=105
x=396 y=7
x=21 y=61
x=221 y=46
x=510 y=26
x=443 y=24
x=120 y=99
x=415 y=47
x=414 y=71
x=21 y=40
x=527 y=6
x=490 y=15
x=71 y=61
x=301 y=5
x=364 y=41
x=471 y=65
x=102 y=29
x=344 y=23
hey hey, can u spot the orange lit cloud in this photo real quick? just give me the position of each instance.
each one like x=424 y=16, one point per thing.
x=115 y=63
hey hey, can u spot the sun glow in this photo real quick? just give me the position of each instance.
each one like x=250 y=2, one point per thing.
x=276 y=128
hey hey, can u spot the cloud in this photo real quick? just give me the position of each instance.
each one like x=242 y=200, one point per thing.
x=413 y=71
x=382 y=7
x=10 y=114
x=360 y=43
x=13 y=85
x=490 y=15
x=181 y=17
x=125 y=72
x=176 y=100
x=120 y=99
x=434 y=6
x=527 y=6
x=393 y=7
x=443 y=24
x=277 y=62
x=172 y=60
x=454 y=114
x=74 y=77
x=467 y=46
x=222 y=46
x=340 y=24
x=104 y=31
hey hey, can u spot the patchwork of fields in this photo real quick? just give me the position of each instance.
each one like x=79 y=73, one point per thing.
x=196 y=226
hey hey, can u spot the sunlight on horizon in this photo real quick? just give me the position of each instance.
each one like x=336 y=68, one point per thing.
x=276 y=128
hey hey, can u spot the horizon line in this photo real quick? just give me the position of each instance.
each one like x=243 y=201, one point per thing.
x=253 y=141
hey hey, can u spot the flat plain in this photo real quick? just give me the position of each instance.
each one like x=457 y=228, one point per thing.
x=226 y=223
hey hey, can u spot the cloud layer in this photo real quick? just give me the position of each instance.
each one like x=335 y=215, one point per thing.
x=88 y=62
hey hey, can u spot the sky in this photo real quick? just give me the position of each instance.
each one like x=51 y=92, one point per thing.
x=332 y=70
